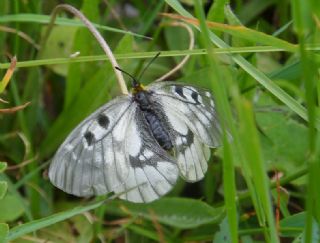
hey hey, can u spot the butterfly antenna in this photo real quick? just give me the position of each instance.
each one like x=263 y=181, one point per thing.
x=154 y=58
x=134 y=80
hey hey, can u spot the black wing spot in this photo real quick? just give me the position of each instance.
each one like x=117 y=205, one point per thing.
x=103 y=121
x=89 y=138
x=135 y=162
x=190 y=138
x=195 y=97
x=187 y=141
x=179 y=91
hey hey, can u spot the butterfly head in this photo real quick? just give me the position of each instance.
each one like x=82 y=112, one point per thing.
x=136 y=85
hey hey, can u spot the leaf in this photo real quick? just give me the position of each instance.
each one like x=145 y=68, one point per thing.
x=294 y=226
x=296 y=221
x=11 y=208
x=285 y=143
x=59 y=44
x=3 y=166
x=3 y=189
x=181 y=213
x=224 y=234
x=4 y=230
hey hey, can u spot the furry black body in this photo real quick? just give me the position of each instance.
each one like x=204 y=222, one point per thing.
x=158 y=130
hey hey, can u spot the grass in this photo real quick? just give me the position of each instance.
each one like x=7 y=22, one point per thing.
x=260 y=60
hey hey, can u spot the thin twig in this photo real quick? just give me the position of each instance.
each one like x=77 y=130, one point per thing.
x=95 y=33
x=185 y=59
x=4 y=101
x=21 y=34
x=14 y=109
x=23 y=163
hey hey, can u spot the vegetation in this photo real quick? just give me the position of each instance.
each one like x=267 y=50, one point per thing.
x=260 y=60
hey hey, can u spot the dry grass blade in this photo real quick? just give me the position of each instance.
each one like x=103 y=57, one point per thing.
x=4 y=82
x=157 y=226
x=239 y=31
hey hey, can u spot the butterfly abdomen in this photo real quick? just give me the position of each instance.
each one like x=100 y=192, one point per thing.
x=157 y=129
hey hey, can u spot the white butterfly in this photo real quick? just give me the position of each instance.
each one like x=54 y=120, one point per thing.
x=144 y=139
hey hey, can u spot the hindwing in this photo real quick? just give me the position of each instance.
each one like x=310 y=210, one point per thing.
x=192 y=117
x=152 y=169
x=194 y=106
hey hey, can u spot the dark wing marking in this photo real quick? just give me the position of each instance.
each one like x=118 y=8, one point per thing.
x=192 y=155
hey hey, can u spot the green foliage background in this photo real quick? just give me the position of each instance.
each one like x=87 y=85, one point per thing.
x=263 y=69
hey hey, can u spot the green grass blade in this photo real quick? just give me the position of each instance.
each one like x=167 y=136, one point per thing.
x=45 y=19
x=252 y=152
x=35 y=225
x=226 y=115
x=302 y=12
x=140 y=55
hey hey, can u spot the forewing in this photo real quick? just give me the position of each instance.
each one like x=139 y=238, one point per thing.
x=192 y=105
x=91 y=160
x=153 y=172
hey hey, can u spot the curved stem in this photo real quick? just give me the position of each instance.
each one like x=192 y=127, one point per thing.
x=185 y=59
x=95 y=33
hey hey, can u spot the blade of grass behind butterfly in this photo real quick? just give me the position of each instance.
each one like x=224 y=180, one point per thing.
x=224 y=111
x=94 y=93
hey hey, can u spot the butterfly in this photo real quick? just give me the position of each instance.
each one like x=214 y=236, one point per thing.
x=143 y=140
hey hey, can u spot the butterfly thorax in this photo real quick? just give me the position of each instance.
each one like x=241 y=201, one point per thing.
x=158 y=130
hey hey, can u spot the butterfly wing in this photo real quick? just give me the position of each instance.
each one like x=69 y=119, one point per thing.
x=153 y=172
x=195 y=127
x=91 y=160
